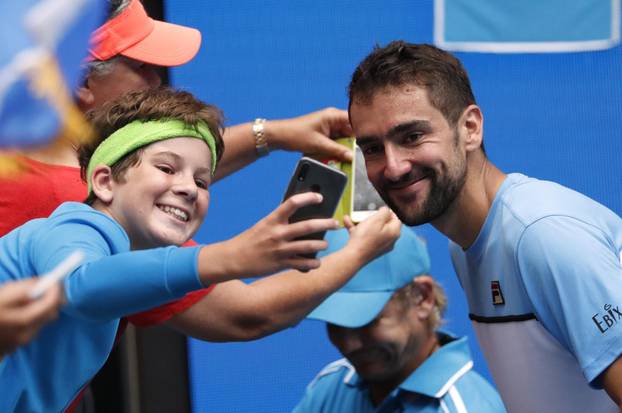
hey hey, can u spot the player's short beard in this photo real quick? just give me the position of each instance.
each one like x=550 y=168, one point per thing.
x=443 y=191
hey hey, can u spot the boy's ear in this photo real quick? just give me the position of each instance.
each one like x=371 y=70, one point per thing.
x=103 y=183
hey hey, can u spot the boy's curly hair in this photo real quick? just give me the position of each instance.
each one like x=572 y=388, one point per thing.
x=146 y=105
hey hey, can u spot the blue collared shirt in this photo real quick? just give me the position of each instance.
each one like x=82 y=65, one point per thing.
x=444 y=383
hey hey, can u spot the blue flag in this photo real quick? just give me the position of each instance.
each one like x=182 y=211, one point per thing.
x=43 y=45
x=526 y=26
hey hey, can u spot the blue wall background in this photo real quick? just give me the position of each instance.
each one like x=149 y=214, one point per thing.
x=552 y=116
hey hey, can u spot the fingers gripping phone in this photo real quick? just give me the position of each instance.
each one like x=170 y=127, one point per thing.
x=313 y=176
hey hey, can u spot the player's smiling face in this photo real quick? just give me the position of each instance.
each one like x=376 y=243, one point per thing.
x=164 y=198
x=412 y=154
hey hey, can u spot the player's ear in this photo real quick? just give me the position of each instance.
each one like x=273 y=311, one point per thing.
x=471 y=124
x=102 y=183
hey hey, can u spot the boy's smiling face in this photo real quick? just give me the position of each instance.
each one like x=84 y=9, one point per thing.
x=164 y=198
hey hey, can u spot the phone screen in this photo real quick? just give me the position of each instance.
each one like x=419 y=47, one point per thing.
x=366 y=199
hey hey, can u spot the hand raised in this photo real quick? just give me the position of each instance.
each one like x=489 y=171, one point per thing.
x=375 y=235
x=311 y=134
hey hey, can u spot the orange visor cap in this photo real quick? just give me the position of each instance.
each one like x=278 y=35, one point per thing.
x=134 y=34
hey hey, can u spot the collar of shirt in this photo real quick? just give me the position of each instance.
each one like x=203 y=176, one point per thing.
x=437 y=374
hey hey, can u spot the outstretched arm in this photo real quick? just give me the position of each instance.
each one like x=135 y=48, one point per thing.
x=310 y=134
x=109 y=286
x=237 y=311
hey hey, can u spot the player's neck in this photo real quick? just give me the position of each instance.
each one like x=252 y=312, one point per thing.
x=465 y=217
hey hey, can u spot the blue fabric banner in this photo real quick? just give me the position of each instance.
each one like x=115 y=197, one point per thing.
x=529 y=26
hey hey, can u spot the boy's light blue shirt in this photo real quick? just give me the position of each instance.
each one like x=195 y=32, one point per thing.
x=46 y=374
x=444 y=383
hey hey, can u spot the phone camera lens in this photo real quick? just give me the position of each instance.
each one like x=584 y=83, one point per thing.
x=303 y=172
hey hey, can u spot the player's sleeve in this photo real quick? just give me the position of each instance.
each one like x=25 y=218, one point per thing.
x=572 y=273
x=108 y=284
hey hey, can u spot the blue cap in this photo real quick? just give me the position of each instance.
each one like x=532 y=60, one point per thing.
x=359 y=301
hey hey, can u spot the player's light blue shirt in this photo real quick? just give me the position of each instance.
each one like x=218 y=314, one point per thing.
x=46 y=374
x=543 y=281
x=444 y=383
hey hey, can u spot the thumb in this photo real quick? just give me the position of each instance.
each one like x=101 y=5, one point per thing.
x=347 y=222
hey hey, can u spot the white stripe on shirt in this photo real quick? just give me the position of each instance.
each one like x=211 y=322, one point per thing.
x=453 y=379
x=457 y=400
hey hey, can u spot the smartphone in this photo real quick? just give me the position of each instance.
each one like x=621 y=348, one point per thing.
x=365 y=198
x=314 y=176
x=66 y=267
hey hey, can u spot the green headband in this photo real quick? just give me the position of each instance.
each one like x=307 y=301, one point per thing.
x=137 y=134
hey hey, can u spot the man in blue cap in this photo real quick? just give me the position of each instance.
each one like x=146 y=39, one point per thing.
x=384 y=322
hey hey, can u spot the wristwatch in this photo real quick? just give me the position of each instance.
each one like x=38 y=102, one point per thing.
x=261 y=143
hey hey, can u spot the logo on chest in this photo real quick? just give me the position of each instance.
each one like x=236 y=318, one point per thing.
x=610 y=317
x=497 y=294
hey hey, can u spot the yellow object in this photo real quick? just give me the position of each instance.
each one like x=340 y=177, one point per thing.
x=47 y=82
x=345 y=205
x=10 y=164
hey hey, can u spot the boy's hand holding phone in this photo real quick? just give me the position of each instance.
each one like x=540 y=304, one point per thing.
x=271 y=245
x=290 y=237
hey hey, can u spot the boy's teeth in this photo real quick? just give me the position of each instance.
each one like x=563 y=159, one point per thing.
x=174 y=211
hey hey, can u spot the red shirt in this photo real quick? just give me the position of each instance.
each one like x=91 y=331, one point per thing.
x=37 y=192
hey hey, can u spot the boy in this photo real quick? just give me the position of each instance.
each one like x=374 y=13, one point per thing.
x=148 y=182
